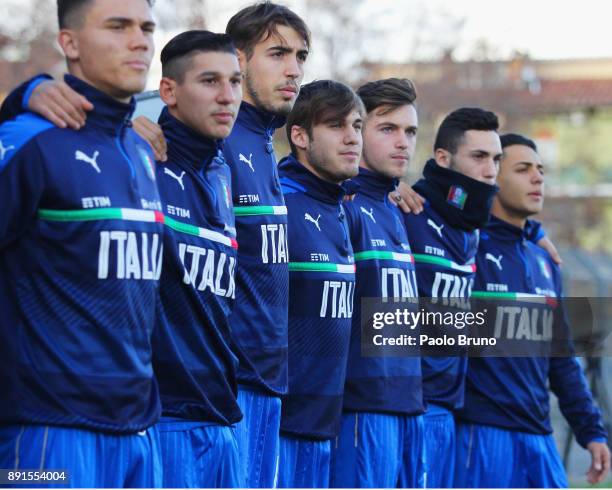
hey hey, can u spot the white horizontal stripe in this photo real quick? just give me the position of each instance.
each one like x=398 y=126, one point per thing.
x=137 y=215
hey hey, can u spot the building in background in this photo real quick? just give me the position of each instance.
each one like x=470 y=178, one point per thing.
x=565 y=105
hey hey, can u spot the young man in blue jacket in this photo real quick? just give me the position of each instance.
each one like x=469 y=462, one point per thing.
x=272 y=44
x=381 y=439
x=80 y=257
x=192 y=356
x=459 y=186
x=504 y=434
x=324 y=129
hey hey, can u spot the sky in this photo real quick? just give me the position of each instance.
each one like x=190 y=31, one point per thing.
x=542 y=28
x=417 y=28
x=545 y=28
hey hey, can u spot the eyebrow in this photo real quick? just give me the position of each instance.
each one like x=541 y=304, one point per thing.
x=218 y=74
x=530 y=164
x=127 y=21
x=286 y=49
x=395 y=125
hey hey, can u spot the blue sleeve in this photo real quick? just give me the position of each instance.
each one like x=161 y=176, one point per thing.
x=21 y=187
x=17 y=101
x=535 y=231
x=568 y=383
x=22 y=175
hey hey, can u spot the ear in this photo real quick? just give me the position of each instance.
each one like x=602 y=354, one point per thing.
x=242 y=60
x=443 y=157
x=167 y=91
x=68 y=41
x=299 y=137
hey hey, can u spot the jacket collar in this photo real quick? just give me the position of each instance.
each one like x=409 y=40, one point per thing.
x=295 y=174
x=186 y=145
x=463 y=202
x=504 y=231
x=108 y=113
x=374 y=184
x=258 y=120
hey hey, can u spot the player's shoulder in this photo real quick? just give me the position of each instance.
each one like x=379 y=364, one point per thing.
x=538 y=252
x=544 y=267
x=28 y=125
x=421 y=218
x=353 y=218
x=168 y=169
x=543 y=259
x=18 y=132
x=350 y=204
x=240 y=140
x=427 y=222
x=140 y=142
x=291 y=188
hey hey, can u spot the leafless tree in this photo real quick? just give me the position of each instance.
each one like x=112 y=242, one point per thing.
x=27 y=41
x=193 y=14
x=25 y=24
x=340 y=34
x=182 y=14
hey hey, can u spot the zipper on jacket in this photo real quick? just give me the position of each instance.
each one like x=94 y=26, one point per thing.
x=269 y=140
x=341 y=217
x=528 y=277
x=208 y=186
x=270 y=151
x=126 y=123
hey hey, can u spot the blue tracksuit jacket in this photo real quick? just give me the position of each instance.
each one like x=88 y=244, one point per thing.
x=445 y=266
x=193 y=360
x=512 y=392
x=385 y=269
x=322 y=282
x=259 y=319
x=80 y=257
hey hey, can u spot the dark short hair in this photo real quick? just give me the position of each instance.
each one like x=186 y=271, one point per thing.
x=390 y=92
x=177 y=54
x=258 y=22
x=322 y=101
x=510 y=139
x=451 y=131
x=70 y=12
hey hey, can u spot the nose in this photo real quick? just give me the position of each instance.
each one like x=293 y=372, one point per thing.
x=226 y=93
x=402 y=142
x=352 y=136
x=293 y=68
x=140 y=39
x=536 y=176
x=489 y=172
